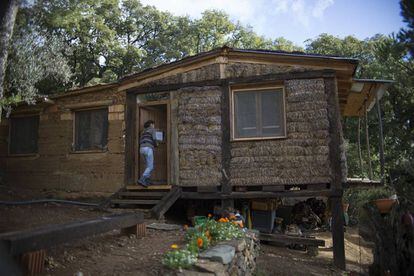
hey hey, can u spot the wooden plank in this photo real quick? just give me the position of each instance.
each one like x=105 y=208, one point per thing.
x=130 y=139
x=135 y=201
x=286 y=239
x=175 y=163
x=93 y=104
x=257 y=194
x=207 y=189
x=166 y=202
x=336 y=172
x=151 y=187
x=19 y=242
x=144 y=193
x=273 y=188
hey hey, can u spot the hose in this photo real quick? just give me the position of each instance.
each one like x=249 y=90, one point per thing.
x=35 y=201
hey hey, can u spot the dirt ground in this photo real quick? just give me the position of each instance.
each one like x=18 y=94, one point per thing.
x=115 y=254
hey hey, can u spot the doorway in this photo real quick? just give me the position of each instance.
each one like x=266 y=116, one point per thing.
x=158 y=112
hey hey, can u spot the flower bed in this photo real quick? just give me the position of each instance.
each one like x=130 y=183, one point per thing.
x=221 y=246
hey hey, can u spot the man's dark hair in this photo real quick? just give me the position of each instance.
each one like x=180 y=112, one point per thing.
x=148 y=123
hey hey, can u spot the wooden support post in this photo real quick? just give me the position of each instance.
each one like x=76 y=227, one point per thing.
x=335 y=133
x=139 y=230
x=361 y=166
x=337 y=229
x=370 y=175
x=130 y=139
x=225 y=145
x=175 y=158
x=381 y=139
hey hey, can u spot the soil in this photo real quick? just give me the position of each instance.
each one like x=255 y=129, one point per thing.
x=116 y=254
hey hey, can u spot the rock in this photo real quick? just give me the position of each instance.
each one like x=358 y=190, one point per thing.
x=239 y=245
x=209 y=266
x=185 y=272
x=222 y=253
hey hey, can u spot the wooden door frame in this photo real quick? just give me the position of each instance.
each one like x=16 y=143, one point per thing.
x=168 y=134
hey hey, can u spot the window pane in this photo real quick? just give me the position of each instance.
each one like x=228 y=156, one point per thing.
x=245 y=112
x=272 y=113
x=91 y=129
x=24 y=134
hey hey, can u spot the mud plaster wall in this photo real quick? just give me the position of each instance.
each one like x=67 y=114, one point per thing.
x=56 y=166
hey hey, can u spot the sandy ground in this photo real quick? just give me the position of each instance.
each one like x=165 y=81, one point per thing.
x=115 y=254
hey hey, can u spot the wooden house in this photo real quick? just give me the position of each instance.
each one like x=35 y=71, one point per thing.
x=237 y=124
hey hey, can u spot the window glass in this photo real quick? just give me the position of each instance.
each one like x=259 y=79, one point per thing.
x=24 y=135
x=91 y=129
x=272 y=116
x=259 y=113
x=246 y=121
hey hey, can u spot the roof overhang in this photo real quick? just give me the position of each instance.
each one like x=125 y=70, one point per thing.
x=362 y=96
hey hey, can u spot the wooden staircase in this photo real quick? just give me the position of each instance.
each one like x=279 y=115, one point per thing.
x=139 y=197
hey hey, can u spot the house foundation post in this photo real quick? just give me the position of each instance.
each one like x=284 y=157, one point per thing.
x=337 y=229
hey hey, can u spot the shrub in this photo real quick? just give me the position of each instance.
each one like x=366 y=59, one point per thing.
x=199 y=238
x=358 y=198
x=180 y=258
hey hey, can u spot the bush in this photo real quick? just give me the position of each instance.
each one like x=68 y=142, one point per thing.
x=180 y=258
x=357 y=198
x=199 y=238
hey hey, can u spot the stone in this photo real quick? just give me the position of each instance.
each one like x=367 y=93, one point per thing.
x=222 y=253
x=209 y=266
x=185 y=272
x=239 y=245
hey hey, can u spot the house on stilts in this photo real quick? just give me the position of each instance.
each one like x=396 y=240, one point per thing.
x=237 y=125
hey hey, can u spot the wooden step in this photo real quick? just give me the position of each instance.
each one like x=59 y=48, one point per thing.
x=143 y=193
x=151 y=187
x=135 y=201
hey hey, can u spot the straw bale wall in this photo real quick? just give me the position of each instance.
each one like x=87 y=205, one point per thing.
x=302 y=157
x=244 y=69
x=199 y=136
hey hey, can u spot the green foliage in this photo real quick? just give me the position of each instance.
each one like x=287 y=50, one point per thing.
x=357 y=198
x=180 y=258
x=200 y=238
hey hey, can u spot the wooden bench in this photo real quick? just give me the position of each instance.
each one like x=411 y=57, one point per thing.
x=310 y=242
x=28 y=246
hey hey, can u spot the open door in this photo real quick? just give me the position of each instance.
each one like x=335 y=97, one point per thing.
x=158 y=112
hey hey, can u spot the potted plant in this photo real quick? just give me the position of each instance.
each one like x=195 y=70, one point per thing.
x=384 y=199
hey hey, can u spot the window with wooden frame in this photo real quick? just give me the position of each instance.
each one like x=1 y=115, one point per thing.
x=258 y=113
x=23 y=135
x=91 y=129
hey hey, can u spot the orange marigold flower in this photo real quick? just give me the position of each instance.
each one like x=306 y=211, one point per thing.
x=233 y=217
x=209 y=215
x=200 y=242
x=174 y=246
x=222 y=220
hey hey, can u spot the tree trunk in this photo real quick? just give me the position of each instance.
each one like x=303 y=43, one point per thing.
x=8 y=12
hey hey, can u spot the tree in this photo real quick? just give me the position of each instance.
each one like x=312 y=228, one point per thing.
x=406 y=35
x=8 y=12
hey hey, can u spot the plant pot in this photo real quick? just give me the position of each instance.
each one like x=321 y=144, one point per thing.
x=384 y=205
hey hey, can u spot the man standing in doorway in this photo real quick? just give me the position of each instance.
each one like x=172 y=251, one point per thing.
x=147 y=143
